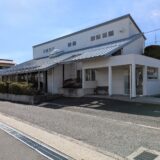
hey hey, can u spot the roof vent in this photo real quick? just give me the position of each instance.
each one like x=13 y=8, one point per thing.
x=56 y=53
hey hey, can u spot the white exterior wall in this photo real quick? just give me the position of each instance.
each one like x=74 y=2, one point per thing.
x=102 y=77
x=132 y=29
x=55 y=80
x=118 y=75
x=136 y=47
x=153 y=87
x=83 y=38
x=50 y=80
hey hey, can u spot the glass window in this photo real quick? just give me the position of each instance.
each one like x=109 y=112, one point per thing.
x=93 y=38
x=69 y=44
x=74 y=43
x=98 y=36
x=90 y=75
x=152 y=73
x=110 y=33
x=79 y=75
x=104 y=35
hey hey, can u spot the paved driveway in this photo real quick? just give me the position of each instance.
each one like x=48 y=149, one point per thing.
x=114 y=126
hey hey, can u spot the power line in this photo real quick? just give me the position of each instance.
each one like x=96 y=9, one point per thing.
x=158 y=29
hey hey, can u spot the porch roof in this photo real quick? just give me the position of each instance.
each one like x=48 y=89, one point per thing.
x=49 y=62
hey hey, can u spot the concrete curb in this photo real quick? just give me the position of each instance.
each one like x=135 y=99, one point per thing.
x=72 y=148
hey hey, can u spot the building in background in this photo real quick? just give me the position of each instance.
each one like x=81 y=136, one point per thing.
x=6 y=63
x=107 y=58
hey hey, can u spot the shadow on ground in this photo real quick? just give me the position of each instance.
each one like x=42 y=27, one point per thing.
x=105 y=105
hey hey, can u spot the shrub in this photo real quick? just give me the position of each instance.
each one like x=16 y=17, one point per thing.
x=21 y=88
x=3 y=87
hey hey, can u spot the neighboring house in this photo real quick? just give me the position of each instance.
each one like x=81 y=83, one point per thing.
x=106 y=58
x=6 y=63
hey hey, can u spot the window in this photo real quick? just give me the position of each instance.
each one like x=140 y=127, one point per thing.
x=104 y=35
x=48 y=50
x=110 y=33
x=93 y=38
x=90 y=75
x=79 y=75
x=119 y=52
x=98 y=36
x=74 y=43
x=152 y=73
x=69 y=44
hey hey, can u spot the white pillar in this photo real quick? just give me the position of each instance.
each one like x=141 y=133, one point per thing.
x=110 y=81
x=144 y=80
x=133 y=80
x=83 y=78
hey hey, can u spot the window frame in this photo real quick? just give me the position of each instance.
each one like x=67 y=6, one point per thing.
x=93 y=38
x=105 y=35
x=152 y=73
x=69 y=44
x=98 y=36
x=74 y=43
x=90 y=75
x=110 y=33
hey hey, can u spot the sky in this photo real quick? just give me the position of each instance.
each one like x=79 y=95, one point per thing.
x=24 y=23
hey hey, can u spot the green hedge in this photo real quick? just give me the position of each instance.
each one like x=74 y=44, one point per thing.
x=3 y=87
x=19 y=88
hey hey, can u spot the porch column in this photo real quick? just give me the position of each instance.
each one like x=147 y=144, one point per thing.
x=52 y=80
x=45 y=81
x=110 y=80
x=27 y=77
x=133 y=81
x=39 y=84
x=144 y=80
x=83 y=78
x=16 y=77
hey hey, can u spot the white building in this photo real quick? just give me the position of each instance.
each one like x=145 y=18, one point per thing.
x=103 y=59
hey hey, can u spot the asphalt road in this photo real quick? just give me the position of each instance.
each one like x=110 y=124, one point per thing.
x=12 y=149
x=114 y=126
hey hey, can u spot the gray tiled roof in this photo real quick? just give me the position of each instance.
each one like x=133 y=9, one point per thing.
x=100 y=51
x=49 y=62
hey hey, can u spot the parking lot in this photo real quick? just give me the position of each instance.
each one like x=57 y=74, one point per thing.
x=112 y=126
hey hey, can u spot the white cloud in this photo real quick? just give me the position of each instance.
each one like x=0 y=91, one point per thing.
x=155 y=13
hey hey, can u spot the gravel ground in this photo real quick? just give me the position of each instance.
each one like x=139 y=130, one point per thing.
x=107 y=129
